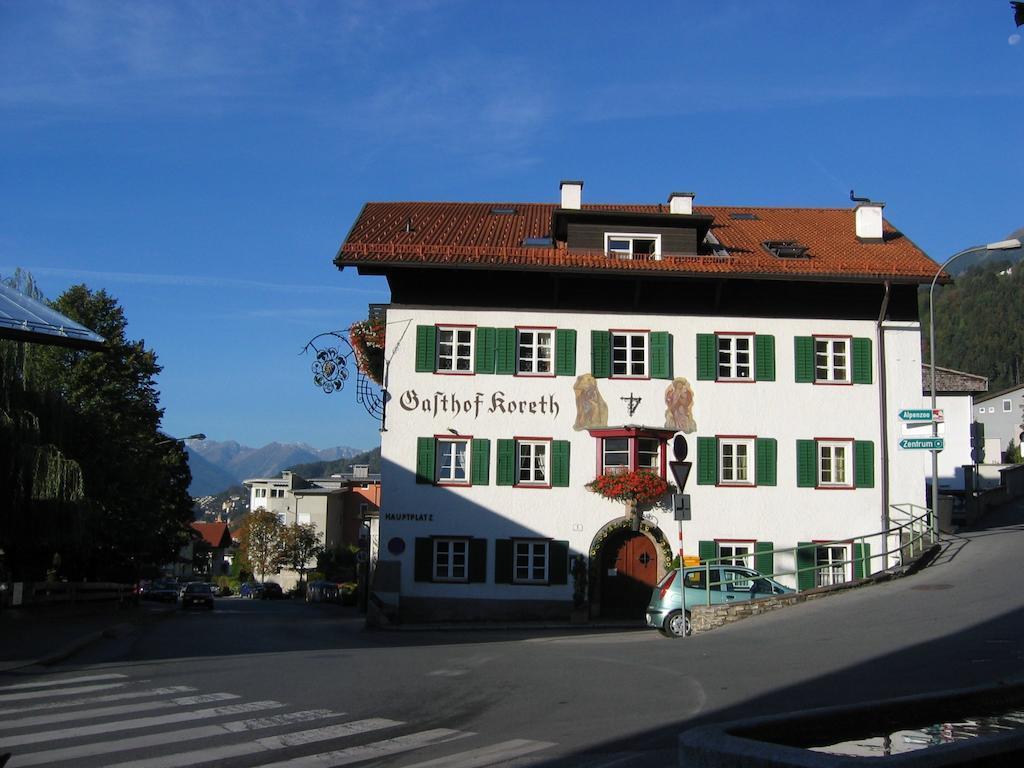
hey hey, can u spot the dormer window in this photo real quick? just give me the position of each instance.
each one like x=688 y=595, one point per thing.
x=787 y=249
x=635 y=247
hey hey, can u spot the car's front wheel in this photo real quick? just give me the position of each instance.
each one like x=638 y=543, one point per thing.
x=675 y=625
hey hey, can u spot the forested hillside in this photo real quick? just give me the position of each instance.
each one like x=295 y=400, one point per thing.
x=328 y=468
x=979 y=323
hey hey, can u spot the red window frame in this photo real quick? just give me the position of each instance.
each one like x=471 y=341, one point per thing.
x=472 y=371
x=516 y=483
x=449 y=438
x=632 y=433
x=611 y=353
x=849 y=360
x=554 y=342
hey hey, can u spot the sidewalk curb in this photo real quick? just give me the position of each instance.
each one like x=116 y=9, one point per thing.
x=75 y=646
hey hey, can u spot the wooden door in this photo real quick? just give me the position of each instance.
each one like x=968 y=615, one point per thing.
x=636 y=560
x=631 y=573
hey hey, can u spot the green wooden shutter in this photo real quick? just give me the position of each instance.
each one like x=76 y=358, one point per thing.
x=707 y=461
x=861 y=361
x=707 y=353
x=864 y=463
x=505 y=350
x=764 y=560
x=765 y=462
x=477 y=570
x=425 y=466
x=764 y=358
x=426 y=348
x=707 y=550
x=484 y=358
x=861 y=560
x=423 y=565
x=558 y=570
x=601 y=354
x=803 y=352
x=503 y=561
x=661 y=355
x=560 y=463
x=480 y=461
x=506 y=472
x=806 y=464
x=805 y=562
x=565 y=352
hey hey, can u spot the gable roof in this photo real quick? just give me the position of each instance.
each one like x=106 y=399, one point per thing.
x=215 y=535
x=1000 y=393
x=472 y=235
x=948 y=380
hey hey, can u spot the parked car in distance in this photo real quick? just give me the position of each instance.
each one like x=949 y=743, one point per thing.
x=729 y=583
x=271 y=591
x=197 y=593
x=162 y=591
x=251 y=590
x=322 y=592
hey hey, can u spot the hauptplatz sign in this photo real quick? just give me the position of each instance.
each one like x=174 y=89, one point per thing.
x=450 y=404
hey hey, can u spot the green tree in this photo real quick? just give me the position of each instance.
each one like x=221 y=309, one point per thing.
x=302 y=543
x=89 y=477
x=261 y=542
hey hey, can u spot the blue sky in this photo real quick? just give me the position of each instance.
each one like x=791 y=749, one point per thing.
x=202 y=161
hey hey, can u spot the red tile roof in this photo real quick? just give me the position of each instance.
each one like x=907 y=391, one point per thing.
x=216 y=535
x=470 y=235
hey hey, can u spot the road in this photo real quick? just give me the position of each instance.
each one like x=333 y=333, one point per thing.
x=283 y=683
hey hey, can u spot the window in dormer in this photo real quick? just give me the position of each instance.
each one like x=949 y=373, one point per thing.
x=787 y=249
x=639 y=247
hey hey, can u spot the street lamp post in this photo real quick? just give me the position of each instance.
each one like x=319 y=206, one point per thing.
x=1002 y=245
x=196 y=436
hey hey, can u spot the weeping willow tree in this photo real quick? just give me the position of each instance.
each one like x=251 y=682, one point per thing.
x=42 y=490
x=86 y=479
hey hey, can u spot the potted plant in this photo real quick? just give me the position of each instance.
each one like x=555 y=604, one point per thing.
x=367 y=340
x=631 y=488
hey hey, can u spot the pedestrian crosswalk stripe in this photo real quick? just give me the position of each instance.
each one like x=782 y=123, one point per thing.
x=64 y=681
x=28 y=695
x=141 y=722
x=122 y=709
x=66 y=754
x=224 y=752
x=22 y=709
x=489 y=755
x=373 y=750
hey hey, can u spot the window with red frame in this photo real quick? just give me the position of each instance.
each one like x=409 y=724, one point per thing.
x=630 y=449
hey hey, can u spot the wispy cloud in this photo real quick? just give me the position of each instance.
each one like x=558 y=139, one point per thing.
x=187 y=281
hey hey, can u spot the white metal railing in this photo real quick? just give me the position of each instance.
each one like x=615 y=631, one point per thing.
x=911 y=531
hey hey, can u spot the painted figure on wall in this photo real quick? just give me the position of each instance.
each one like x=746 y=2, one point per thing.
x=591 y=409
x=679 y=407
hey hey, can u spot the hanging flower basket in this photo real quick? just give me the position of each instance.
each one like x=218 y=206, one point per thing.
x=638 y=487
x=367 y=340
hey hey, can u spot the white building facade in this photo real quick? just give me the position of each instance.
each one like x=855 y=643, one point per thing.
x=513 y=386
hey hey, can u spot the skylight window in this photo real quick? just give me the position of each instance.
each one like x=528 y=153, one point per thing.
x=503 y=210
x=787 y=249
x=537 y=242
x=745 y=216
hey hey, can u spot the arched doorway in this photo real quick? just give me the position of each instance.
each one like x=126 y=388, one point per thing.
x=629 y=571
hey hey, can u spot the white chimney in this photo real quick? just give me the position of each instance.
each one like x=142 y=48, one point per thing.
x=572 y=194
x=681 y=202
x=868 y=220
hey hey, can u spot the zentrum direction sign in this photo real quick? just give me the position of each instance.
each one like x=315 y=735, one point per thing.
x=922 y=443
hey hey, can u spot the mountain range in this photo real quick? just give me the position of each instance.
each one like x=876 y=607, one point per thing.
x=219 y=465
x=982 y=256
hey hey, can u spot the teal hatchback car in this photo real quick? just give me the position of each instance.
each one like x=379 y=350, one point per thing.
x=729 y=583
